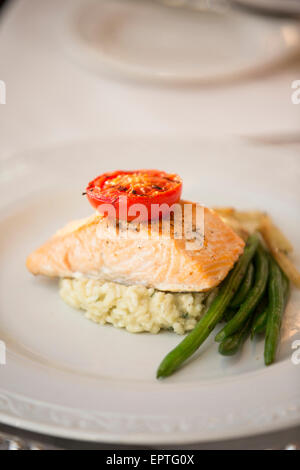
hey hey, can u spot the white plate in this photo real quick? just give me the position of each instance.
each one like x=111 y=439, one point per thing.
x=145 y=40
x=69 y=377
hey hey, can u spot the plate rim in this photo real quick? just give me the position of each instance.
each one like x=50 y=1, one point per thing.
x=16 y=419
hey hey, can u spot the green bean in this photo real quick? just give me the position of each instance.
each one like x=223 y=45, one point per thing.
x=213 y=315
x=260 y=317
x=252 y=299
x=260 y=324
x=233 y=343
x=260 y=321
x=229 y=314
x=245 y=287
x=277 y=302
x=286 y=287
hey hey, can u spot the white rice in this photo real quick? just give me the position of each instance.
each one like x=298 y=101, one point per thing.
x=135 y=308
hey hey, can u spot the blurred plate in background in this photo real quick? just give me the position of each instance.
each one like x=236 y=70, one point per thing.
x=147 y=40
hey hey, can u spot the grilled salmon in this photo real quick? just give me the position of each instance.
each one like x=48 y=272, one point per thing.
x=89 y=248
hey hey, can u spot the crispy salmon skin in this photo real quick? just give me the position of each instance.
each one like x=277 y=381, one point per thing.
x=89 y=248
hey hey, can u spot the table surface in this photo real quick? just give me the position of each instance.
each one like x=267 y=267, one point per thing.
x=51 y=99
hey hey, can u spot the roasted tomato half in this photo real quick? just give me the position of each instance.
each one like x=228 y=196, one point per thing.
x=131 y=188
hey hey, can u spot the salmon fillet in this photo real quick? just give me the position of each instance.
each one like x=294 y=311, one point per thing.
x=90 y=248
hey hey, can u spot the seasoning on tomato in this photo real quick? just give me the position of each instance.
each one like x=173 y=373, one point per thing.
x=143 y=187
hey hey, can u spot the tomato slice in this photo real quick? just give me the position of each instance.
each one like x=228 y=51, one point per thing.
x=145 y=187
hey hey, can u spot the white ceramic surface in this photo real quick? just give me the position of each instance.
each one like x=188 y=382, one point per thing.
x=69 y=377
x=145 y=40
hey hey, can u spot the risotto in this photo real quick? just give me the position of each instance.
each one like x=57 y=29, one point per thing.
x=135 y=308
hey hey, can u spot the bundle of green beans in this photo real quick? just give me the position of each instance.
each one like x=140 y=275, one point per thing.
x=251 y=300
